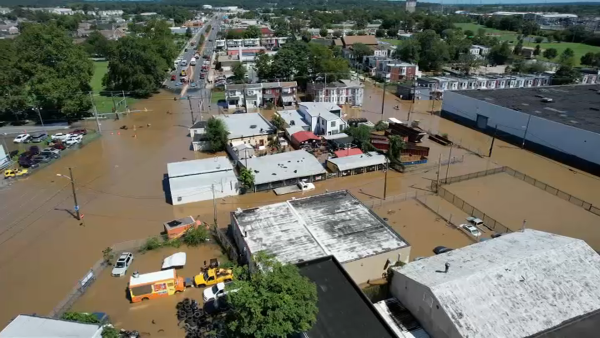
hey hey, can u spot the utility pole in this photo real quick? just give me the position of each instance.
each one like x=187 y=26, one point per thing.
x=112 y=96
x=448 y=167
x=95 y=113
x=387 y=168
x=125 y=100
x=525 y=134
x=438 y=171
x=191 y=110
x=383 y=99
x=74 y=195
x=493 y=139
x=214 y=204
x=41 y=120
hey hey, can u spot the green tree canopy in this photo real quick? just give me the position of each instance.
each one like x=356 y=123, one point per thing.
x=278 y=122
x=188 y=32
x=262 y=65
x=410 y=51
x=566 y=74
x=434 y=52
x=360 y=50
x=518 y=48
x=216 y=134
x=275 y=301
x=550 y=53
x=362 y=136
x=323 y=32
x=500 y=54
x=247 y=178
x=537 y=50
x=337 y=34
x=97 y=45
x=239 y=71
x=392 y=33
x=52 y=72
x=567 y=57
x=252 y=32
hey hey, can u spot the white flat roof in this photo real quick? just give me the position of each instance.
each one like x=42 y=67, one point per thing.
x=201 y=166
x=292 y=115
x=186 y=186
x=334 y=223
x=283 y=166
x=26 y=326
x=151 y=277
x=515 y=285
x=246 y=125
x=358 y=161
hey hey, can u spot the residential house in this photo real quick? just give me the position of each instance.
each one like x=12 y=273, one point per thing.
x=110 y=13
x=527 y=52
x=371 y=63
x=381 y=50
x=396 y=70
x=260 y=94
x=198 y=128
x=479 y=50
x=294 y=122
x=542 y=284
x=322 y=118
x=340 y=92
x=590 y=76
x=368 y=40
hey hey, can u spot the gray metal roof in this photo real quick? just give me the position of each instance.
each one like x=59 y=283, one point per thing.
x=574 y=105
x=358 y=161
x=284 y=166
x=202 y=166
x=26 y=326
x=334 y=223
x=513 y=286
x=292 y=115
x=318 y=108
x=246 y=125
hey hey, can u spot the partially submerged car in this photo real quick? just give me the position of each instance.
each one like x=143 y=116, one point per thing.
x=122 y=264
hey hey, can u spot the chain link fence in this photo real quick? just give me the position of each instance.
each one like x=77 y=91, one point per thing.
x=376 y=203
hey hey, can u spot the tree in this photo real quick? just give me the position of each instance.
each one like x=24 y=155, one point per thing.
x=247 y=178
x=274 y=301
x=188 y=33
x=337 y=34
x=434 y=52
x=252 y=32
x=97 y=45
x=380 y=33
x=537 y=50
x=278 y=122
x=306 y=36
x=396 y=146
x=518 y=48
x=539 y=39
x=566 y=74
x=323 y=32
x=54 y=72
x=196 y=236
x=468 y=61
x=589 y=59
x=239 y=71
x=85 y=318
x=567 y=57
x=216 y=134
x=350 y=33
x=409 y=51
x=381 y=126
x=110 y=332
x=469 y=33
x=362 y=136
x=500 y=54
x=550 y=53
x=392 y=33
x=12 y=84
x=262 y=65
x=360 y=50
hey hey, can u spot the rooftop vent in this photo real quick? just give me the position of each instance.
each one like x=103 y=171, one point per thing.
x=547 y=99
x=252 y=126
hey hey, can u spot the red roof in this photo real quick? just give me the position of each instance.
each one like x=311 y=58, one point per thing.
x=303 y=136
x=265 y=31
x=348 y=152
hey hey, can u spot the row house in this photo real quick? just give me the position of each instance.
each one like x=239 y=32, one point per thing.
x=322 y=118
x=260 y=94
x=590 y=76
x=340 y=92
x=266 y=42
x=396 y=70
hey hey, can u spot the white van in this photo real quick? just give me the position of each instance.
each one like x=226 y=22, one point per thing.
x=193 y=62
x=183 y=63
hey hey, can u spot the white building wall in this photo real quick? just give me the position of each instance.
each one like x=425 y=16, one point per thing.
x=554 y=135
x=194 y=193
x=419 y=300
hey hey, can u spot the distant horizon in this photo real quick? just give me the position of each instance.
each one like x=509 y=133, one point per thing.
x=510 y=2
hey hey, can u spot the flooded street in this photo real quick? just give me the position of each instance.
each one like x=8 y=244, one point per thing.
x=119 y=179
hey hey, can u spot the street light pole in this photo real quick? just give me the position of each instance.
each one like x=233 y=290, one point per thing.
x=78 y=215
x=41 y=120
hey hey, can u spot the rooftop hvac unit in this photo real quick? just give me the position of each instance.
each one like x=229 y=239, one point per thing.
x=547 y=99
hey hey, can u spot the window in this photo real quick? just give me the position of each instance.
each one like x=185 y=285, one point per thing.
x=332 y=124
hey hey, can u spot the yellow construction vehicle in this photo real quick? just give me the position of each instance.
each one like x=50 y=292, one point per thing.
x=213 y=276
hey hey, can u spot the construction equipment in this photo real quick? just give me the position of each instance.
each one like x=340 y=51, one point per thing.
x=213 y=276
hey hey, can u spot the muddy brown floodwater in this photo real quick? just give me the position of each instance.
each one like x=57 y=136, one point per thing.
x=44 y=251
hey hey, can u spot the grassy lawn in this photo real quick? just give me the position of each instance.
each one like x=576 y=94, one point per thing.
x=579 y=48
x=216 y=96
x=104 y=104
x=392 y=41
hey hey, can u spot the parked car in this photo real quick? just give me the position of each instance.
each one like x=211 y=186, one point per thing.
x=27 y=162
x=52 y=154
x=81 y=131
x=39 y=137
x=42 y=158
x=51 y=150
x=22 y=138
x=173 y=77
x=470 y=228
x=60 y=136
x=73 y=140
x=305 y=186
x=10 y=173
x=59 y=146
x=216 y=291
x=122 y=264
x=34 y=150
x=441 y=249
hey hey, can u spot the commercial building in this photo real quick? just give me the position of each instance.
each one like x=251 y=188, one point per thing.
x=283 y=169
x=357 y=164
x=200 y=180
x=560 y=122
x=28 y=326
x=339 y=92
x=344 y=310
x=323 y=118
x=334 y=223
x=250 y=128
x=522 y=284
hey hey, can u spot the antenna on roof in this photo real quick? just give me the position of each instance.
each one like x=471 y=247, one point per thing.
x=523 y=226
x=447 y=265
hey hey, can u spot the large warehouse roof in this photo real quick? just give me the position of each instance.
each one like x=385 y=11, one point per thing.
x=517 y=285
x=334 y=223
x=283 y=166
x=195 y=167
x=358 y=161
x=246 y=125
x=575 y=105
x=25 y=326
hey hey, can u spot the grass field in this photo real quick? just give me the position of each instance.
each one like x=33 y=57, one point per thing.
x=392 y=41
x=104 y=104
x=579 y=48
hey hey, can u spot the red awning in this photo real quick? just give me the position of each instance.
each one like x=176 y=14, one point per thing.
x=303 y=136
